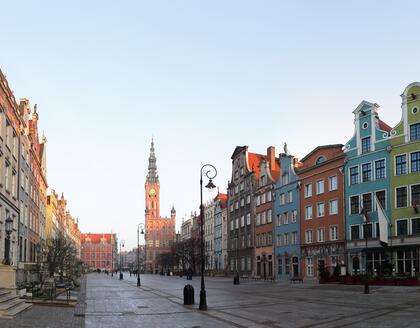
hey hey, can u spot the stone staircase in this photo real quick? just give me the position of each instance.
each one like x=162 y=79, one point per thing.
x=11 y=304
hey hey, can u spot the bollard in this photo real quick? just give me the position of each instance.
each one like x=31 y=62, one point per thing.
x=188 y=295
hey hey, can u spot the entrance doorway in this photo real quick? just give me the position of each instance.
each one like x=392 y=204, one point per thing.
x=295 y=266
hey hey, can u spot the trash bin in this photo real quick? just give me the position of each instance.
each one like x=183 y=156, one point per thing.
x=188 y=295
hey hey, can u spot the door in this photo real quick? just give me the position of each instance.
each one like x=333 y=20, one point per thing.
x=295 y=262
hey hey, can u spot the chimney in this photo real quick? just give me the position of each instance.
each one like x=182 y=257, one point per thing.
x=271 y=156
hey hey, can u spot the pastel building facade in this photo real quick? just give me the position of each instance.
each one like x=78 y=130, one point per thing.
x=269 y=171
x=405 y=184
x=220 y=223
x=367 y=172
x=286 y=219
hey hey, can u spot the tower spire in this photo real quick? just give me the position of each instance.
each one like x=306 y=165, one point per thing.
x=152 y=175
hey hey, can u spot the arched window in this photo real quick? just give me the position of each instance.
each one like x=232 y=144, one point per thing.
x=320 y=160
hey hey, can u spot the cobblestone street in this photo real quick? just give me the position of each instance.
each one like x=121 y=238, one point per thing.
x=159 y=303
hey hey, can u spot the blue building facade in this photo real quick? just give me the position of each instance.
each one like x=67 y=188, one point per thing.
x=367 y=180
x=286 y=223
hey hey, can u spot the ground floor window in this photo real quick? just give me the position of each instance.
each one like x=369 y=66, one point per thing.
x=377 y=262
x=287 y=265
x=280 y=266
x=243 y=263
x=309 y=267
x=408 y=261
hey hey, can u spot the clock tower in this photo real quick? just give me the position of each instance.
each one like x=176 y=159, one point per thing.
x=160 y=231
x=152 y=188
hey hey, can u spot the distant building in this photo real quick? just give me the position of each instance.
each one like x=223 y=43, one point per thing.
x=160 y=231
x=209 y=235
x=220 y=232
x=99 y=250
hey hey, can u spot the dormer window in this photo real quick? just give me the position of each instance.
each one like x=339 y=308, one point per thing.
x=365 y=145
x=320 y=159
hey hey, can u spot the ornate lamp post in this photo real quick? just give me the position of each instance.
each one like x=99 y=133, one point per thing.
x=210 y=173
x=9 y=229
x=121 y=246
x=142 y=227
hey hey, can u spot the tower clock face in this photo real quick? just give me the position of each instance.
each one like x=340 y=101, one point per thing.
x=152 y=192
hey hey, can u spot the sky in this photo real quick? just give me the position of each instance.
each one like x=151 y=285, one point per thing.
x=201 y=77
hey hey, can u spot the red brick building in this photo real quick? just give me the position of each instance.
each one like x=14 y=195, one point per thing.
x=99 y=250
x=322 y=209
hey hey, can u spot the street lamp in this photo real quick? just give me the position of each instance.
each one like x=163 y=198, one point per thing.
x=9 y=229
x=121 y=246
x=140 y=225
x=210 y=173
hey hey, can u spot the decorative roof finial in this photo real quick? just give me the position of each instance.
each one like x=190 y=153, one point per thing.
x=286 y=150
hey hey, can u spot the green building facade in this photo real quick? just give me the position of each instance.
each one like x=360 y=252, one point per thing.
x=405 y=184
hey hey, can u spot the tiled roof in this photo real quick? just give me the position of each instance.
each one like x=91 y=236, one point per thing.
x=383 y=126
x=223 y=199
x=95 y=238
x=254 y=161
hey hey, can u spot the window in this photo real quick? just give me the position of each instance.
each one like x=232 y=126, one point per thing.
x=285 y=218
x=332 y=183
x=415 y=226
x=309 y=267
x=381 y=197
x=354 y=175
x=248 y=199
x=241 y=186
x=415 y=161
x=269 y=216
x=262 y=180
x=236 y=223
x=380 y=169
x=354 y=205
x=367 y=230
x=285 y=179
x=365 y=145
x=320 y=159
x=294 y=216
x=366 y=172
x=333 y=206
x=308 y=190
x=334 y=233
x=279 y=240
x=282 y=199
x=269 y=196
x=287 y=264
x=400 y=164
x=242 y=221
x=242 y=202
x=258 y=221
x=290 y=196
x=320 y=207
x=263 y=218
x=242 y=171
x=231 y=207
x=354 y=232
x=367 y=202
x=278 y=220
x=320 y=187
x=320 y=235
x=236 y=205
x=236 y=189
x=286 y=239
x=415 y=132
x=294 y=238
x=248 y=219
x=308 y=212
x=280 y=265
x=258 y=200
x=402 y=227
x=308 y=236
x=415 y=195
x=401 y=197
x=263 y=198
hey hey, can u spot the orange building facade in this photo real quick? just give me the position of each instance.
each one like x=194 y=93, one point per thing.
x=322 y=210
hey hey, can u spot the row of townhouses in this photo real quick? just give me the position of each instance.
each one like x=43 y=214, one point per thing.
x=283 y=217
x=28 y=216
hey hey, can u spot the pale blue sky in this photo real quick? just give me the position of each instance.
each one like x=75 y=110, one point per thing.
x=108 y=75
